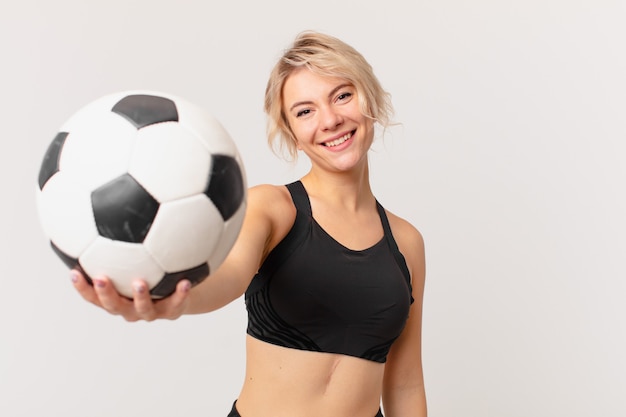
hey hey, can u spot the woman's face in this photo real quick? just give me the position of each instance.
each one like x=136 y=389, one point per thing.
x=325 y=118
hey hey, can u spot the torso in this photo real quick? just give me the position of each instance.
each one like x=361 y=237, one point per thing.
x=279 y=380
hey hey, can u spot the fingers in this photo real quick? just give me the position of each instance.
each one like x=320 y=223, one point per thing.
x=143 y=304
x=102 y=293
x=112 y=301
x=148 y=309
x=173 y=306
x=141 y=307
x=83 y=287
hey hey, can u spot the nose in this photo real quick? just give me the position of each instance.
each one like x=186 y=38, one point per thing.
x=330 y=119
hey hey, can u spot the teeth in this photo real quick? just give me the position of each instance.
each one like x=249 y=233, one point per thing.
x=338 y=141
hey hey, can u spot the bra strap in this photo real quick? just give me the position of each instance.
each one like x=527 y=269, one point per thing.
x=392 y=243
x=300 y=197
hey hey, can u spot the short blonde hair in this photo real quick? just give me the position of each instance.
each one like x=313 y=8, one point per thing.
x=327 y=56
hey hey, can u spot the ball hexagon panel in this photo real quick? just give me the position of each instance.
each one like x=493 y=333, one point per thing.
x=121 y=262
x=207 y=128
x=145 y=109
x=123 y=209
x=83 y=117
x=185 y=232
x=226 y=187
x=65 y=214
x=170 y=162
x=97 y=152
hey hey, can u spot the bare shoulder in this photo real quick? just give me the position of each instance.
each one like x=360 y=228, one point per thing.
x=273 y=204
x=405 y=233
x=269 y=192
x=269 y=199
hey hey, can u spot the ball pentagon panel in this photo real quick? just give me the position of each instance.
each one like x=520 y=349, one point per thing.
x=226 y=188
x=167 y=285
x=123 y=210
x=143 y=110
x=70 y=261
x=50 y=163
x=231 y=231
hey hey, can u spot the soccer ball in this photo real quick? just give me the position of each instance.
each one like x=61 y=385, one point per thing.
x=142 y=185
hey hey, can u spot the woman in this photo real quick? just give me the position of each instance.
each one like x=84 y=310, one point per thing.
x=333 y=282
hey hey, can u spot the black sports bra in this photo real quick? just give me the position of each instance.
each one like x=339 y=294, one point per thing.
x=312 y=293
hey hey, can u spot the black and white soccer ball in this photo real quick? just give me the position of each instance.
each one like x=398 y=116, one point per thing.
x=142 y=185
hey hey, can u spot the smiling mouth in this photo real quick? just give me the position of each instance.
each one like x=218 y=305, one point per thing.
x=338 y=141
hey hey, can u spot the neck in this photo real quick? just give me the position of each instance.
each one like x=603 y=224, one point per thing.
x=350 y=189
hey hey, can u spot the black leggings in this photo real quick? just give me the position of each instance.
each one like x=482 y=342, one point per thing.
x=235 y=413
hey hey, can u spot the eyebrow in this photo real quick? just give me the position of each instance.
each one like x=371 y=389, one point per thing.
x=332 y=93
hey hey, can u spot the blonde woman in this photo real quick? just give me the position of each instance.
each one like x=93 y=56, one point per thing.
x=333 y=282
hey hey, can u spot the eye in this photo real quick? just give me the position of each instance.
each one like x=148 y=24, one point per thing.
x=303 y=112
x=344 y=96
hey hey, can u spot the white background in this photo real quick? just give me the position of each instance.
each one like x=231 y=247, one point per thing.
x=510 y=160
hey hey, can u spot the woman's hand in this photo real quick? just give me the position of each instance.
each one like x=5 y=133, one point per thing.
x=269 y=217
x=142 y=307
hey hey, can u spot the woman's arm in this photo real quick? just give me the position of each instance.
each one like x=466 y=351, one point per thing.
x=404 y=394
x=258 y=234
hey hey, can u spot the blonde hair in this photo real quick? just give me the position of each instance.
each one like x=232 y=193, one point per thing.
x=328 y=56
